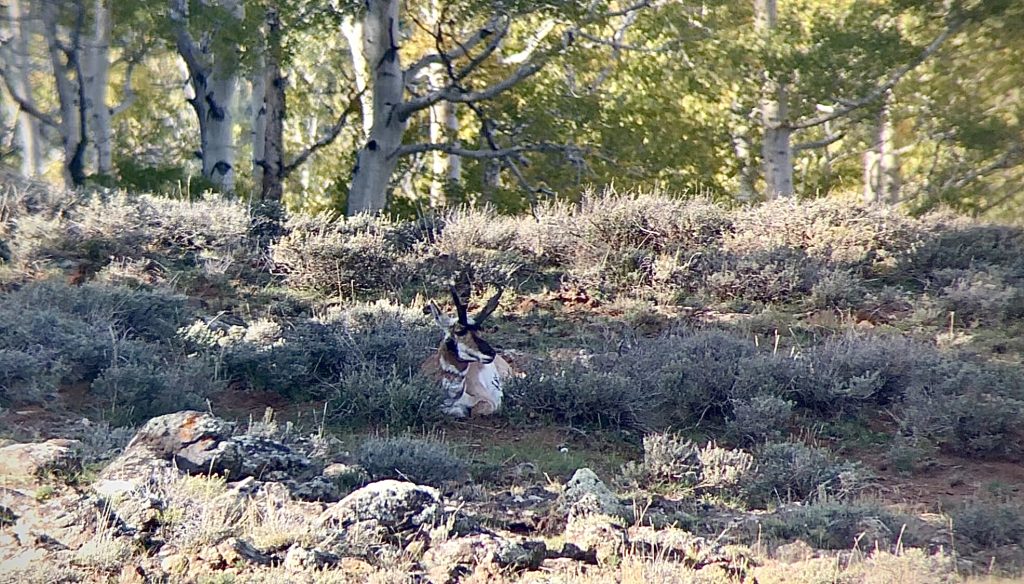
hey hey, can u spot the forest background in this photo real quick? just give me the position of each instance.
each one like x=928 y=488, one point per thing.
x=424 y=103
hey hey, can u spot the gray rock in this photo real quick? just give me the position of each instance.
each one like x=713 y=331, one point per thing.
x=199 y=443
x=233 y=552
x=300 y=559
x=447 y=561
x=394 y=505
x=586 y=494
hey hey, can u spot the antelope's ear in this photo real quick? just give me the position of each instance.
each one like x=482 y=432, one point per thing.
x=440 y=318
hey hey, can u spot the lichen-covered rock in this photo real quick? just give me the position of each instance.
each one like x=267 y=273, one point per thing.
x=300 y=559
x=446 y=561
x=586 y=494
x=394 y=505
x=233 y=552
x=191 y=441
x=199 y=443
x=37 y=459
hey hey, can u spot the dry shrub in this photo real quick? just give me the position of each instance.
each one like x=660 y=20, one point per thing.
x=331 y=256
x=418 y=460
x=866 y=239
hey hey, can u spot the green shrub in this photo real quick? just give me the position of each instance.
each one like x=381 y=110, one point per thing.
x=865 y=239
x=851 y=370
x=142 y=384
x=151 y=315
x=839 y=525
x=782 y=274
x=909 y=454
x=759 y=418
x=982 y=409
x=696 y=374
x=362 y=359
x=789 y=471
x=106 y=225
x=333 y=257
x=954 y=242
x=986 y=296
x=116 y=340
x=420 y=461
x=584 y=394
x=369 y=396
x=988 y=524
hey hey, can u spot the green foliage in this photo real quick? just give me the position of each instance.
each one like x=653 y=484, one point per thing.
x=987 y=523
x=117 y=342
x=839 y=525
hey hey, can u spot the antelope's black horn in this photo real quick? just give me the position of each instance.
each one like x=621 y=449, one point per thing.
x=459 y=306
x=489 y=308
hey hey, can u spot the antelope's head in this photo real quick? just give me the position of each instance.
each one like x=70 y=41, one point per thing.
x=461 y=335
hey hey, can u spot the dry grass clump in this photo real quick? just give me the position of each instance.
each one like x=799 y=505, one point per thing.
x=336 y=257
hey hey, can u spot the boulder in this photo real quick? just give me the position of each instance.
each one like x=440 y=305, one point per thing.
x=38 y=459
x=447 y=561
x=586 y=494
x=199 y=443
x=397 y=506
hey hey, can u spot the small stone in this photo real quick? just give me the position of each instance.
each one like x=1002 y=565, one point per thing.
x=131 y=574
x=792 y=553
x=174 y=564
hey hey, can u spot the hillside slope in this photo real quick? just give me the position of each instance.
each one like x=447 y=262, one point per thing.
x=809 y=371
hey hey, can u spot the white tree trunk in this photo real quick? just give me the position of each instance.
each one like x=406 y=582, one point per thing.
x=28 y=128
x=454 y=161
x=776 y=146
x=352 y=30
x=68 y=96
x=744 y=151
x=96 y=75
x=882 y=178
x=274 y=104
x=258 y=122
x=214 y=81
x=376 y=160
x=218 y=140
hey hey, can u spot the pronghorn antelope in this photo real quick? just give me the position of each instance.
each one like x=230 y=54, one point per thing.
x=470 y=371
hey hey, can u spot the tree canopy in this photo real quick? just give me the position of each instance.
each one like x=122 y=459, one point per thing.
x=401 y=106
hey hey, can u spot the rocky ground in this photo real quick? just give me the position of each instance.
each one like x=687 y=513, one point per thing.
x=191 y=498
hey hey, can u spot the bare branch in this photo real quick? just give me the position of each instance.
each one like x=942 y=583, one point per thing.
x=455 y=95
x=25 y=105
x=326 y=139
x=1012 y=157
x=479 y=154
x=494 y=27
x=847 y=106
x=815 y=144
